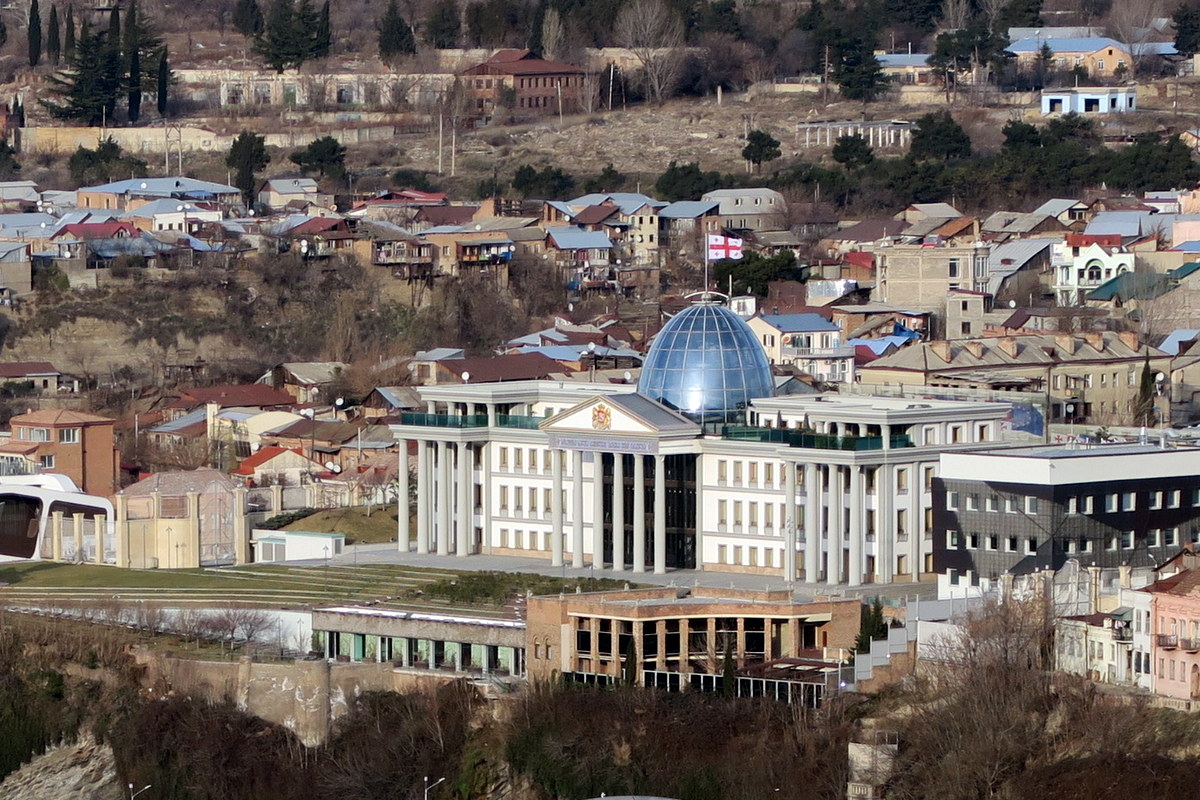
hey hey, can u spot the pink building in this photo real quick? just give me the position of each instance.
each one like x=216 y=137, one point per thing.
x=1175 y=610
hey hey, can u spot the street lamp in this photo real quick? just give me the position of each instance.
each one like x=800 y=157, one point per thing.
x=429 y=786
x=133 y=794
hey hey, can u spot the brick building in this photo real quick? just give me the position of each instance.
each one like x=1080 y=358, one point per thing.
x=80 y=446
x=534 y=86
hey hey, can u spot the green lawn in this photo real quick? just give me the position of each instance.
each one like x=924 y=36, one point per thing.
x=354 y=522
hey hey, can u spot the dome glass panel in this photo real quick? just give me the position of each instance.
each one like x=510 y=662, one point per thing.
x=706 y=363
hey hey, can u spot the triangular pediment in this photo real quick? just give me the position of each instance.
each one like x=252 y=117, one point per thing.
x=621 y=415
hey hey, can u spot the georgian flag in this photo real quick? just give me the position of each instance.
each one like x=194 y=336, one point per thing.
x=720 y=247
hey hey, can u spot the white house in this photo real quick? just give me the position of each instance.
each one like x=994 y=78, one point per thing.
x=808 y=341
x=1089 y=100
x=1079 y=270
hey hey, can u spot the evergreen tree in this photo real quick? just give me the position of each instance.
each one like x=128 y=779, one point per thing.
x=1187 y=29
x=141 y=36
x=323 y=37
x=247 y=157
x=53 y=43
x=285 y=42
x=113 y=40
x=163 y=82
x=395 y=35
x=84 y=91
x=69 y=35
x=325 y=155
x=859 y=73
x=1143 y=407
x=444 y=25
x=937 y=135
x=248 y=18
x=3 y=33
x=135 y=85
x=853 y=151
x=35 y=34
x=761 y=146
x=871 y=626
x=9 y=167
x=728 y=672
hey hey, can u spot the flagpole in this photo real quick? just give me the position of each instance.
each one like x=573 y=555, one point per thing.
x=706 y=266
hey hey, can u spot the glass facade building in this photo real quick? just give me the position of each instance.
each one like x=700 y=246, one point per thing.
x=707 y=364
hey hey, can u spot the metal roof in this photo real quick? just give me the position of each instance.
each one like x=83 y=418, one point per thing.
x=569 y=238
x=1065 y=45
x=797 y=323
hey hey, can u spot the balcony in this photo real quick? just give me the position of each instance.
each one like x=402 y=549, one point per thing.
x=1190 y=645
x=816 y=441
x=518 y=421
x=1167 y=641
x=444 y=420
x=817 y=352
x=1122 y=635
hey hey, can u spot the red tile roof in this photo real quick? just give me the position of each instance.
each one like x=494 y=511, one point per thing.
x=58 y=416
x=447 y=215
x=264 y=455
x=257 y=395
x=98 y=230
x=515 y=367
x=21 y=369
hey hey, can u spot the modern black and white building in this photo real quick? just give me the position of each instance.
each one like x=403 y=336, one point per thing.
x=1028 y=509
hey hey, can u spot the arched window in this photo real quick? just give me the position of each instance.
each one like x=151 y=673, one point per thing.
x=1093 y=271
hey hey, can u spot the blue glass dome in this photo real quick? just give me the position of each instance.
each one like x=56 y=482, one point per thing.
x=706 y=363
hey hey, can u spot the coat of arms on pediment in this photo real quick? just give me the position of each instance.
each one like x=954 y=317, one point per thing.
x=601 y=417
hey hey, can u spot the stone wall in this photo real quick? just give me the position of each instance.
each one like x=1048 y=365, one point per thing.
x=64 y=141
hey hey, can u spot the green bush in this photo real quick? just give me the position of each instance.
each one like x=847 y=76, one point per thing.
x=286 y=518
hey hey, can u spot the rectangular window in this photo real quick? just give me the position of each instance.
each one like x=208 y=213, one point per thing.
x=1011 y=545
x=902 y=481
x=1126 y=540
x=1030 y=546
x=993 y=542
x=753 y=515
x=768 y=515
x=952 y=501
x=1156 y=500
x=1072 y=505
x=1154 y=537
x=722 y=472
x=972 y=502
x=769 y=475
x=952 y=540
x=753 y=473
x=993 y=503
x=504 y=458
x=69 y=435
x=952 y=267
x=737 y=473
x=722 y=554
x=1128 y=501
x=1087 y=504
x=46 y=462
x=737 y=515
x=722 y=512
x=504 y=498
x=973 y=541
x=1111 y=503
x=518 y=458
x=1085 y=545
x=1175 y=498
x=40 y=434
x=928 y=478
x=1031 y=505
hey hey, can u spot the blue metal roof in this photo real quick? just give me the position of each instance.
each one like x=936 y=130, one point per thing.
x=800 y=323
x=569 y=238
x=190 y=418
x=628 y=202
x=165 y=187
x=903 y=59
x=1177 y=337
x=1065 y=45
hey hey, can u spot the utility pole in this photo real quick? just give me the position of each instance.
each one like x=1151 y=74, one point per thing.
x=441 y=119
x=825 y=78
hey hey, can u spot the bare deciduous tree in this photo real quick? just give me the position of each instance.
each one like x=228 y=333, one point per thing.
x=955 y=14
x=991 y=11
x=653 y=33
x=1130 y=23
x=552 y=35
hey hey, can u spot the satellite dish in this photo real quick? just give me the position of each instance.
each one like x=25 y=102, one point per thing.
x=466 y=377
x=336 y=469
x=591 y=347
x=628 y=376
x=1012 y=303
x=255 y=447
x=143 y=184
x=1159 y=377
x=329 y=465
x=307 y=412
x=339 y=401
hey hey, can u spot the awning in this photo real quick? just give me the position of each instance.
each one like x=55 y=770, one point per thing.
x=1124 y=612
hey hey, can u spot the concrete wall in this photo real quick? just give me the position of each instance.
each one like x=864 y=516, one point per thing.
x=304 y=696
x=64 y=141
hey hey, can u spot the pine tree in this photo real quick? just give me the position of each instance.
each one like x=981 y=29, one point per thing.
x=395 y=35
x=248 y=18
x=84 y=90
x=284 y=42
x=53 y=43
x=35 y=34
x=140 y=35
x=247 y=157
x=69 y=35
x=164 y=80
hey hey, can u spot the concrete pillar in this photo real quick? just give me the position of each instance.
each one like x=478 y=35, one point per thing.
x=577 y=509
x=487 y=503
x=402 y=501
x=100 y=525
x=660 y=515
x=885 y=521
x=917 y=504
x=121 y=530
x=857 y=539
x=424 y=493
x=443 y=499
x=812 y=524
x=639 y=513
x=598 y=510
x=556 y=509
x=466 y=501
x=491 y=414
x=241 y=530
x=56 y=533
x=77 y=530
x=789 y=522
x=660 y=633
x=618 y=514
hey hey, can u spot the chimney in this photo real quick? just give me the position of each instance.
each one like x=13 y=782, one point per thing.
x=1066 y=342
x=1129 y=339
x=1008 y=346
x=974 y=347
x=1096 y=340
x=941 y=348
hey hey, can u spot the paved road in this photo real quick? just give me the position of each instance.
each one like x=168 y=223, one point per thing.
x=387 y=554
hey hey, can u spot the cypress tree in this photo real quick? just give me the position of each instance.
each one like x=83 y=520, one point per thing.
x=324 y=36
x=285 y=42
x=114 y=29
x=630 y=672
x=395 y=35
x=35 y=34
x=135 y=85
x=248 y=18
x=53 y=43
x=728 y=672
x=3 y=33
x=69 y=35
x=164 y=79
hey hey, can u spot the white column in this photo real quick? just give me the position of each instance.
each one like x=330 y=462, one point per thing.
x=885 y=521
x=639 y=513
x=699 y=544
x=618 y=514
x=403 y=531
x=486 y=502
x=598 y=510
x=577 y=508
x=790 y=523
x=812 y=524
x=424 y=492
x=466 y=501
x=857 y=537
x=837 y=524
x=444 y=500
x=556 y=509
x=660 y=515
